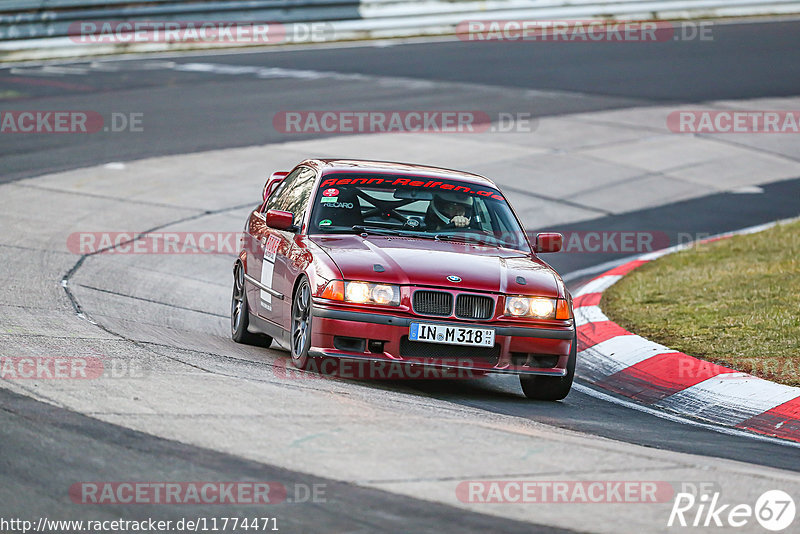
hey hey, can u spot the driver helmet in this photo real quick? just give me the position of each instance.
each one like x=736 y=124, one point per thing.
x=446 y=205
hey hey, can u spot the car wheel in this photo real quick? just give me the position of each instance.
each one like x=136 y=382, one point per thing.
x=551 y=388
x=301 y=324
x=239 y=313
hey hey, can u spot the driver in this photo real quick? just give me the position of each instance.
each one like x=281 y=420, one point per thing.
x=448 y=208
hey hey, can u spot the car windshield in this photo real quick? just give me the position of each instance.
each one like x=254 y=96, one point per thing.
x=414 y=206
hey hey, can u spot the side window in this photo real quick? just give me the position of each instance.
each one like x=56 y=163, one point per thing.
x=293 y=192
x=275 y=198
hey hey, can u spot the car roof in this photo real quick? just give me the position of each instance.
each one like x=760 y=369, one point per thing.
x=411 y=169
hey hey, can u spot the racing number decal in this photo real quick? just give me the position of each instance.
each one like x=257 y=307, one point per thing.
x=268 y=268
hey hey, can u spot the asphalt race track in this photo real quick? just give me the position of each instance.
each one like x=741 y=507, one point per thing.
x=388 y=453
x=194 y=111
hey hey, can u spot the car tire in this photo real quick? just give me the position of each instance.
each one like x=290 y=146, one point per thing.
x=240 y=318
x=301 y=324
x=551 y=388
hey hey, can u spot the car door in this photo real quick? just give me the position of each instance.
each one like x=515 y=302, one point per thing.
x=261 y=247
x=277 y=273
x=254 y=232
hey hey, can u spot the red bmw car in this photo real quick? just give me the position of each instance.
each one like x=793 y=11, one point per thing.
x=392 y=262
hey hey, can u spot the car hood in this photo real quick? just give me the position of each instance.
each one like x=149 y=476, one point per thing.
x=426 y=262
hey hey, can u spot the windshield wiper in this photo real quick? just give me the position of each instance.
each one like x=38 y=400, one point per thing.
x=486 y=241
x=463 y=238
x=377 y=230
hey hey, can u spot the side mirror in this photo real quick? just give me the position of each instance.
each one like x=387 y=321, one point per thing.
x=280 y=220
x=548 y=242
x=273 y=181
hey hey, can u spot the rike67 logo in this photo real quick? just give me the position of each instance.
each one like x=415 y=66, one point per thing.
x=774 y=510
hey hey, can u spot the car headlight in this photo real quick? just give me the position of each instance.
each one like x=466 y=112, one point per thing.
x=538 y=307
x=385 y=294
x=362 y=292
x=356 y=292
x=543 y=307
x=517 y=306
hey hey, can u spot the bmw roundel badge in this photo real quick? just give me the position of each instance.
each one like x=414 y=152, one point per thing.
x=454 y=278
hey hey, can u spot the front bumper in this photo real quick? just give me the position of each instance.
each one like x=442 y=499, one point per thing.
x=518 y=349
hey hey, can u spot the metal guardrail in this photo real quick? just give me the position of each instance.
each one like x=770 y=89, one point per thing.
x=52 y=18
x=39 y=29
x=646 y=9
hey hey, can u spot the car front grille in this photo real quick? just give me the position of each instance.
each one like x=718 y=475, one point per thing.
x=474 y=307
x=421 y=349
x=436 y=303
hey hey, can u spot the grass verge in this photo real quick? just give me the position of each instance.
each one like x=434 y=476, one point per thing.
x=735 y=302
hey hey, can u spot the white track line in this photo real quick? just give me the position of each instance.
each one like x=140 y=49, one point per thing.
x=595 y=269
x=586 y=390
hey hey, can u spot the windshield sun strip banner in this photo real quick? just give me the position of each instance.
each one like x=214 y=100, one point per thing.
x=328 y=183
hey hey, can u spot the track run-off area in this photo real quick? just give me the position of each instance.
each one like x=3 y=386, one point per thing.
x=185 y=403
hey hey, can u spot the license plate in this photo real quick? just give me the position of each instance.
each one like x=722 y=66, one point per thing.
x=451 y=335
